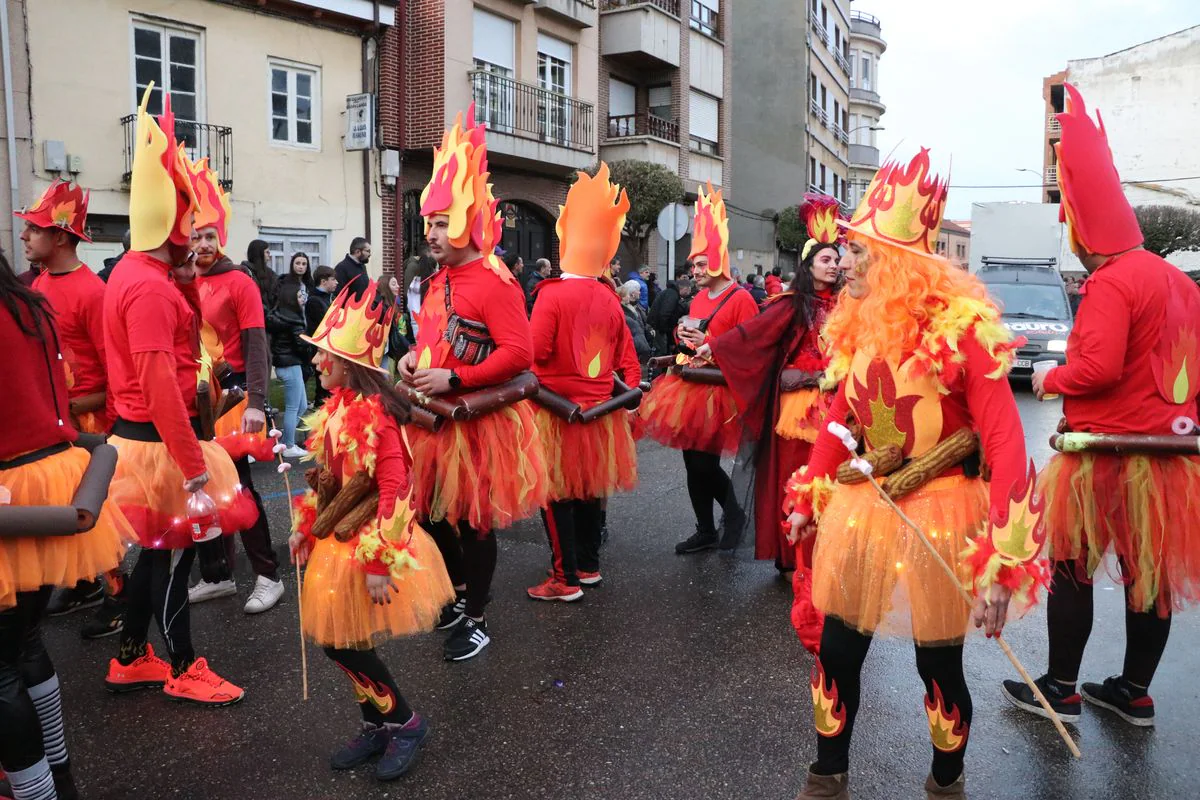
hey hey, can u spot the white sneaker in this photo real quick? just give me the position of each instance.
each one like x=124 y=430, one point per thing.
x=265 y=595
x=205 y=590
x=295 y=451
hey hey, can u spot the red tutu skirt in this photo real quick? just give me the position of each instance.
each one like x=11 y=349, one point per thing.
x=587 y=461
x=690 y=416
x=1145 y=508
x=488 y=472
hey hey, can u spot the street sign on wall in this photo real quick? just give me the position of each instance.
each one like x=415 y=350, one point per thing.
x=360 y=122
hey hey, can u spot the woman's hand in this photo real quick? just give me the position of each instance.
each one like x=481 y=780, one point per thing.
x=300 y=547
x=991 y=609
x=802 y=527
x=381 y=588
x=704 y=351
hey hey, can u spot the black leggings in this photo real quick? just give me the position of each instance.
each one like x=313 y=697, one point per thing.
x=470 y=557
x=158 y=588
x=573 y=528
x=1069 y=624
x=23 y=663
x=217 y=556
x=843 y=651
x=379 y=698
x=707 y=483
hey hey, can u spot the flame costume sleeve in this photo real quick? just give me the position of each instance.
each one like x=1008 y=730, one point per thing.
x=1099 y=339
x=156 y=375
x=382 y=551
x=504 y=315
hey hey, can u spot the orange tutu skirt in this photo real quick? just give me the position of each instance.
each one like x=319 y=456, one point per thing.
x=148 y=487
x=228 y=434
x=586 y=461
x=800 y=414
x=338 y=612
x=1147 y=509
x=488 y=472
x=871 y=571
x=690 y=416
x=27 y=563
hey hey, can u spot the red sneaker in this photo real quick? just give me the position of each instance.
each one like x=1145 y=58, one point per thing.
x=588 y=578
x=555 y=590
x=147 y=672
x=202 y=686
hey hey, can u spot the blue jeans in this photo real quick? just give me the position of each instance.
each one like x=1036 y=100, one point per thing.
x=295 y=400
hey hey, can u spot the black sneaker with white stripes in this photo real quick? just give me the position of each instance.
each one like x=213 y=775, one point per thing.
x=452 y=613
x=466 y=640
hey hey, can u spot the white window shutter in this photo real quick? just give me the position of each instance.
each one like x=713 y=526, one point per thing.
x=495 y=40
x=704 y=117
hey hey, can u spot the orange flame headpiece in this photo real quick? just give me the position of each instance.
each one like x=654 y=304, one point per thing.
x=162 y=195
x=820 y=214
x=1093 y=205
x=356 y=327
x=589 y=225
x=63 y=205
x=902 y=206
x=212 y=204
x=710 y=236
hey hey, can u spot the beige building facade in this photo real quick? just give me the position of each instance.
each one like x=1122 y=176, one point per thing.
x=260 y=89
x=866 y=108
x=829 y=97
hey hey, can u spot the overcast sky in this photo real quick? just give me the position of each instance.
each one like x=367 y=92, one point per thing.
x=965 y=78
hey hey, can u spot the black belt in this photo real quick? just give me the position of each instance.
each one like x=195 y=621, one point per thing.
x=145 y=431
x=36 y=455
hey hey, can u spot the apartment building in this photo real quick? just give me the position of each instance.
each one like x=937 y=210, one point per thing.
x=866 y=109
x=829 y=70
x=260 y=88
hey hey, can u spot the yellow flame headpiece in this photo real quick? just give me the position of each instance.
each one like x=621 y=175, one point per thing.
x=356 y=327
x=902 y=206
x=212 y=203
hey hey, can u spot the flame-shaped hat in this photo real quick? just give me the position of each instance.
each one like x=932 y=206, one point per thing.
x=902 y=206
x=212 y=204
x=459 y=189
x=820 y=214
x=589 y=225
x=63 y=205
x=1093 y=204
x=162 y=195
x=710 y=235
x=356 y=327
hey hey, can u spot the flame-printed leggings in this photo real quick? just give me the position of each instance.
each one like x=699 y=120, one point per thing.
x=836 y=685
x=378 y=696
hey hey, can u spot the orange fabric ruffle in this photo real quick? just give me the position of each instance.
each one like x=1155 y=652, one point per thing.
x=586 y=461
x=800 y=414
x=228 y=434
x=93 y=422
x=1146 y=509
x=488 y=472
x=690 y=416
x=872 y=571
x=27 y=563
x=148 y=487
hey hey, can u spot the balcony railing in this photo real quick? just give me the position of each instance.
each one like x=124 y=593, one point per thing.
x=840 y=133
x=841 y=61
x=1053 y=126
x=521 y=109
x=1052 y=175
x=866 y=25
x=815 y=109
x=814 y=22
x=643 y=125
x=214 y=142
x=669 y=6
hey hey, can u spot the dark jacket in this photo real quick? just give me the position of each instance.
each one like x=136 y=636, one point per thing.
x=531 y=284
x=349 y=271
x=109 y=263
x=315 y=308
x=637 y=328
x=666 y=309
x=759 y=295
x=287 y=348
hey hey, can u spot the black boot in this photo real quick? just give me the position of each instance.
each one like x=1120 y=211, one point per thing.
x=64 y=784
x=703 y=539
x=733 y=525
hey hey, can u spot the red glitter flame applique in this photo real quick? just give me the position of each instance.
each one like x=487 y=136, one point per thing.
x=946 y=728
x=829 y=715
x=886 y=419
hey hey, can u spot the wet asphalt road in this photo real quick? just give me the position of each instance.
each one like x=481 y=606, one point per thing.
x=678 y=679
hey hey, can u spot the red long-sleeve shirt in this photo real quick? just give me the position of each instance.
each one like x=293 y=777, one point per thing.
x=480 y=295
x=739 y=308
x=33 y=411
x=77 y=298
x=579 y=339
x=1134 y=306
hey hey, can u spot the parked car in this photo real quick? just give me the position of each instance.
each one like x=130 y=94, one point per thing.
x=1033 y=303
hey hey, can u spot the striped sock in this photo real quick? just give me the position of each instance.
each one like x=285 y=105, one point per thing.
x=48 y=702
x=34 y=783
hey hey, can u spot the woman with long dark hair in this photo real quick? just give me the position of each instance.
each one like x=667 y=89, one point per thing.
x=258 y=264
x=773 y=363
x=289 y=353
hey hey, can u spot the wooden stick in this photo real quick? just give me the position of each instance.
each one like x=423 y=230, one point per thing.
x=287 y=484
x=1041 y=698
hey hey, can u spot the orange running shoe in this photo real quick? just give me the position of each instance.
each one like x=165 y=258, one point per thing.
x=147 y=672
x=202 y=686
x=588 y=578
x=554 y=589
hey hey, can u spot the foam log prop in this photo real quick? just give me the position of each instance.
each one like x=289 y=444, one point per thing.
x=883 y=461
x=950 y=452
x=87 y=403
x=20 y=521
x=352 y=492
x=661 y=362
x=710 y=376
x=791 y=380
x=229 y=400
x=1126 y=444
x=205 y=412
x=366 y=510
x=557 y=405
x=626 y=400
x=424 y=418
x=480 y=402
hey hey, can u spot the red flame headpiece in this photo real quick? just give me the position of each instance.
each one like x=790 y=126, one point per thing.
x=212 y=204
x=902 y=206
x=820 y=214
x=710 y=235
x=63 y=205
x=589 y=225
x=356 y=327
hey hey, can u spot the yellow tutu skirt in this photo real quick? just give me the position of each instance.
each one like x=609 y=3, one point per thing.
x=27 y=563
x=586 y=461
x=148 y=488
x=871 y=571
x=488 y=472
x=338 y=612
x=800 y=414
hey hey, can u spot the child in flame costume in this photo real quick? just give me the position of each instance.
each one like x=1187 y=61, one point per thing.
x=1133 y=368
x=773 y=364
x=474 y=476
x=372 y=572
x=701 y=419
x=235 y=334
x=579 y=340
x=151 y=336
x=921 y=357
x=39 y=466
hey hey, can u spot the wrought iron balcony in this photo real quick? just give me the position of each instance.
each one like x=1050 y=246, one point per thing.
x=669 y=6
x=214 y=142
x=526 y=111
x=1053 y=126
x=643 y=125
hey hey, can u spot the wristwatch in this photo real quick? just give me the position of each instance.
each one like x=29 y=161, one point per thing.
x=454 y=380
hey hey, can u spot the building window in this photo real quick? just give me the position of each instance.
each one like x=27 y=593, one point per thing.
x=622 y=108
x=812 y=171
x=660 y=102
x=852 y=56
x=283 y=242
x=825 y=17
x=837 y=38
x=864 y=80
x=704 y=123
x=824 y=184
x=812 y=86
x=172 y=58
x=825 y=103
x=494 y=52
x=295 y=105
x=554 y=75
x=961 y=251
x=705 y=17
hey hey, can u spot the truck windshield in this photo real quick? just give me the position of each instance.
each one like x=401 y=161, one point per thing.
x=1030 y=300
